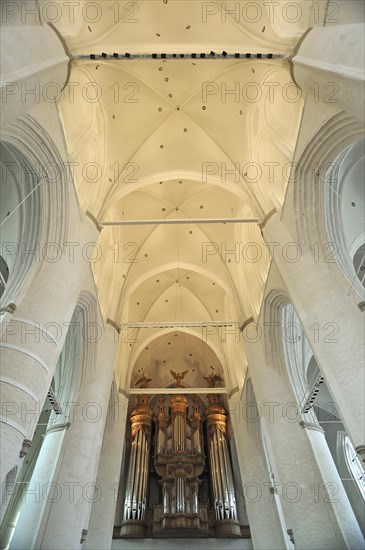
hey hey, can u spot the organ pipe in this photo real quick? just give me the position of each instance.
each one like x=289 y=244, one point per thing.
x=137 y=479
x=221 y=470
x=179 y=405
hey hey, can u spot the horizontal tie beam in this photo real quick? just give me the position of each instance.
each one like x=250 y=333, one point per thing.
x=199 y=55
x=174 y=391
x=178 y=324
x=188 y=221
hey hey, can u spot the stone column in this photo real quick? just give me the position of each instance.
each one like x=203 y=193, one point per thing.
x=332 y=322
x=261 y=497
x=38 y=495
x=101 y=523
x=335 y=490
x=330 y=65
x=66 y=522
x=32 y=339
x=315 y=520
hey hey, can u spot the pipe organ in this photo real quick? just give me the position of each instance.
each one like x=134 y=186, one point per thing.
x=191 y=461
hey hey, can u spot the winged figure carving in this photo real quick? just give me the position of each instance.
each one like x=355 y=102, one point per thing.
x=179 y=376
x=213 y=379
x=143 y=382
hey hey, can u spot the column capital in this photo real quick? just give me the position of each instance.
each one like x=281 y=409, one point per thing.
x=58 y=428
x=311 y=426
x=10 y=308
x=26 y=445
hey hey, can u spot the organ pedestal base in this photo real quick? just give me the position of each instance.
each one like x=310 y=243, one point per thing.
x=227 y=528
x=133 y=529
x=192 y=525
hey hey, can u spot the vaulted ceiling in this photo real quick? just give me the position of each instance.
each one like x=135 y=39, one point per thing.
x=181 y=138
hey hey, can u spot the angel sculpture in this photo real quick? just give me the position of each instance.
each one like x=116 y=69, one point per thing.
x=213 y=379
x=179 y=376
x=144 y=382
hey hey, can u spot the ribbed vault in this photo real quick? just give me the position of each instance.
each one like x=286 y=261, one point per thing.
x=154 y=139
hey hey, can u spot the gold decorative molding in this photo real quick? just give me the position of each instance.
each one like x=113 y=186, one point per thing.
x=216 y=416
x=178 y=404
x=141 y=416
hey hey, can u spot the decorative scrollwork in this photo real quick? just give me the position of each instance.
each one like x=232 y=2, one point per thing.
x=135 y=428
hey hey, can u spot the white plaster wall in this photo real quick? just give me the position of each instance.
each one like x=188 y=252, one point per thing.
x=32 y=58
x=332 y=60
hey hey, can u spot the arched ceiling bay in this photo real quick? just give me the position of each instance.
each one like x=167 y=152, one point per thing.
x=164 y=139
x=164 y=25
x=183 y=295
x=174 y=116
x=218 y=252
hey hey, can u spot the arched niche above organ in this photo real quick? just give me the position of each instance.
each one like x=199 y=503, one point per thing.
x=177 y=351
